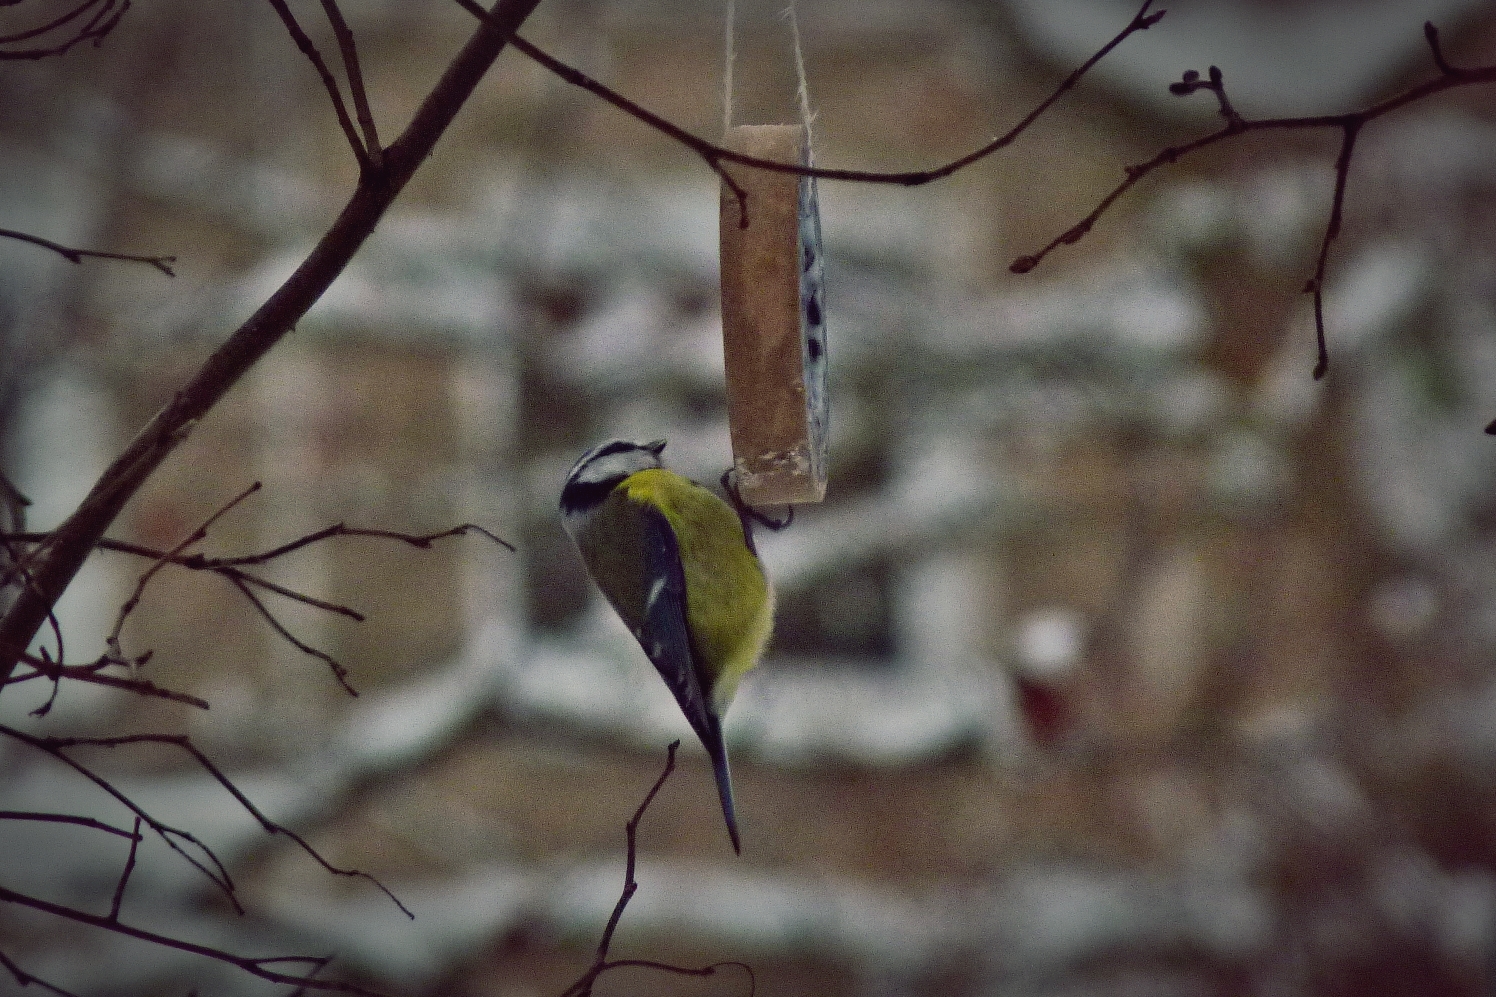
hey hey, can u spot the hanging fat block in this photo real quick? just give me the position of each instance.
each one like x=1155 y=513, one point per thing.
x=774 y=322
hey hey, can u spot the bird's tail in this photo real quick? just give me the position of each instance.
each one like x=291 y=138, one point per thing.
x=716 y=748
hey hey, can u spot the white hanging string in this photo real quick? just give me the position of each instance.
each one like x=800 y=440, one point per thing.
x=732 y=57
x=802 y=88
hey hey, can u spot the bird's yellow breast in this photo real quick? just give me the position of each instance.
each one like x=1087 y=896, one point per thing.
x=729 y=601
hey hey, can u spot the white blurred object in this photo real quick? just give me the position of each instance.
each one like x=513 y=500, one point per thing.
x=1050 y=641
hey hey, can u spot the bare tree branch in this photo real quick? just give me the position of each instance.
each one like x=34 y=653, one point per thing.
x=600 y=963
x=99 y=24
x=715 y=155
x=46 y=707
x=308 y=49
x=377 y=188
x=1349 y=124
x=256 y=967
x=57 y=748
x=128 y=606
x=25 y=979
x=46 y=668
x=124 y=877
x=419 y=541
x=30 y=33
x=72 y=255
x=1316 y=284
x=218 y=875
x=88 y=822
x=237 y=575
x=232 y=570
x=355 y=78
x=339 y=672
x=199 y=562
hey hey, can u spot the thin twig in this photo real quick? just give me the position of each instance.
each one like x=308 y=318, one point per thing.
x=1191 y=82
x=355 y=79
x=317 y=967
x=95 y=29
x=53 y=25
x=162 y=263
x=1431 y=35
x=128 y=607
x=338 y=671
x=421 y=541
x=199 y=562
x=711 y=154
x=88 y=822
x=240 y=575
x=600 y=963
x=715 y=155
x=1235 y=124
x=666 y=967
x=631 y=831
x=269 y=826
x=232 y=570
x=1316 y=284
x=1348 y=124
x=44 y=667
x=57 y=748
x=329 y=82
x=255 y=967
x=218 y=875
x=583 y=986
x=124 y=877
x=25 y=979
x=74 y=539
x=46 y=707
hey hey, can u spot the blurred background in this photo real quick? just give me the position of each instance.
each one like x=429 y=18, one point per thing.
x=1123 y=657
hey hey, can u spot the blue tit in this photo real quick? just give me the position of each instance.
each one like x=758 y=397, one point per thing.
x=676 y=563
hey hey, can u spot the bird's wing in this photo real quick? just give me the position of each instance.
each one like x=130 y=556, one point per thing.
x=665 y=638
x=663 y=632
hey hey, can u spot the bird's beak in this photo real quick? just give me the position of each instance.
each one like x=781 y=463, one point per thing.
x=655 y=447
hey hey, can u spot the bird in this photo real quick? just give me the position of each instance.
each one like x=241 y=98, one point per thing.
x=678 y=565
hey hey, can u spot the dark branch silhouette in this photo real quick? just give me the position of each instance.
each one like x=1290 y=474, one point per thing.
x=256 y=967
x=58 y=747
x=339 y=672
x=25 y=979
x=231 y=569
x=124 y=876
x=88 y=822
x=44 y=667
x=329 y=82
x=601 y=963
x=99 y=18
x=349 y=50
x=72 y=542
x=162 y=263
x=715 y=155
x=1349 y=124
x=128 y=606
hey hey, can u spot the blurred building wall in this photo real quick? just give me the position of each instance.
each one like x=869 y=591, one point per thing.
x=1123 y=657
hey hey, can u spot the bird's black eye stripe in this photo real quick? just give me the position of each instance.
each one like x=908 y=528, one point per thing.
x=617 y=446
x=578 y=495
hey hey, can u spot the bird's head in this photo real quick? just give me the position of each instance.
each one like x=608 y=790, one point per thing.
x=598 y=471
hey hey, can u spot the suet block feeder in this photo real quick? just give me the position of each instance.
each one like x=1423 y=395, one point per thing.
x=774 y=321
